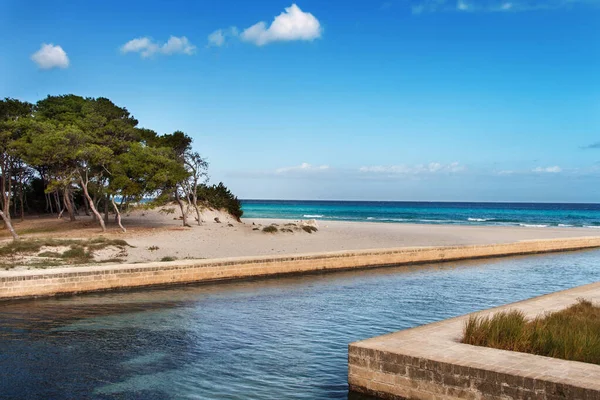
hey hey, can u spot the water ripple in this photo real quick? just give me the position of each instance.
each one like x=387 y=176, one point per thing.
x=283 y=338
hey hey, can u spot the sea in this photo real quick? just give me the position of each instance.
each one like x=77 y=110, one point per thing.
x=454 y=213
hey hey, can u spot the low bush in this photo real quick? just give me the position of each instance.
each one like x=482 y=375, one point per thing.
x=571 y=334
x=270 y=229
x=309 y=229
x=220 y=197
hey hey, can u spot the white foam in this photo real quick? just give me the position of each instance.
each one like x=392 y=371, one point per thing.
x=312 y=216
x=477 y=219
x=592 y=226
x=564 y=225
x=534 y=225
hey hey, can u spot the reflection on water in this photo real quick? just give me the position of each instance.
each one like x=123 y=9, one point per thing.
x=282 y=338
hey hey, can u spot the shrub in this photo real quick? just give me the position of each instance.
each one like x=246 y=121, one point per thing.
x=220 y=197
x=571 y=334
x=270 y=229
x=49 y=254
x=77 y=255
x=309 y=229
x=166 y=259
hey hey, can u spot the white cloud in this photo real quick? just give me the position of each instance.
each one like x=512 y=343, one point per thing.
x=50 y=56
x=147 y=47
x=424 y=6
x=304 y=167
x=463 y=6
x=551 y=170
x=506 y=172
x=217 y=38
x=292 y=24
x=220 y=36
x=420 y=169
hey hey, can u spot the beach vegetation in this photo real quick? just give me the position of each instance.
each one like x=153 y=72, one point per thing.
x=571 y=334
x=270 y=229
x=51 y=252
x=309 y=229
x=221 y=198
x=168 y=258
x=69 y=154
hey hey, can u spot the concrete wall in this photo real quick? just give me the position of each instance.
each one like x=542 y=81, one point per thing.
x=32 y=283
x=429 y=362
x=392 y=376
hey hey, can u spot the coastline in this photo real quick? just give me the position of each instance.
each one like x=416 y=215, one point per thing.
x=240 y=240
x=156 y=236
x=64 y=281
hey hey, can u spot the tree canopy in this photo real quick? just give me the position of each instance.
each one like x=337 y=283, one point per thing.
x=90 y=153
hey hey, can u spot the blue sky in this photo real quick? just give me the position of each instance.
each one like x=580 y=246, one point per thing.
x=393 y=100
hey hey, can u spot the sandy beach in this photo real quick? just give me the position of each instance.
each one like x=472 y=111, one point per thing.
x=154 y=236
x=219 y=240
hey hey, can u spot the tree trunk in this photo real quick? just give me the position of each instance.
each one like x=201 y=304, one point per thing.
x=195 y=204
x=75 y=208
x=14 y=204
x=60 y=209
x=49 y=207
x=86 y=203
x=106 y=208
x=21 y=199
x=87 y=195
x=68 y=205
x=183 y=213
x=118 y=214
x=8 y=225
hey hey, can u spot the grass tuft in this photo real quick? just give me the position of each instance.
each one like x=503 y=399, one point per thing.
x=49 y=254
x=309 y=229
x=168 y=258
x=79 y=252
x=570 y=334
x=270 y=229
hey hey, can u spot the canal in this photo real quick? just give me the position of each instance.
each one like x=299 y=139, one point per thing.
x=283 y=338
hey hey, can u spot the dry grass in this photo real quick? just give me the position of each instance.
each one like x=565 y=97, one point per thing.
x=571 y=334
x=309 y=229
x=270 y=229
x=28 y=252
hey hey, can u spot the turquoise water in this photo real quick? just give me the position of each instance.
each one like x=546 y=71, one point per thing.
x=284 y=338
x=506 y=214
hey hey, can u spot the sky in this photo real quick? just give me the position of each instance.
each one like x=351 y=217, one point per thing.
x=432 y=100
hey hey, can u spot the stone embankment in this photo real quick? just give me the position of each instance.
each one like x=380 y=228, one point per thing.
x=429 y=362
x=36 y=283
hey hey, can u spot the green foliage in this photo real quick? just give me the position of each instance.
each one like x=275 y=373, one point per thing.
x=571 y=334
x=220 y=197
x=90 y=145
x=270 y=229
